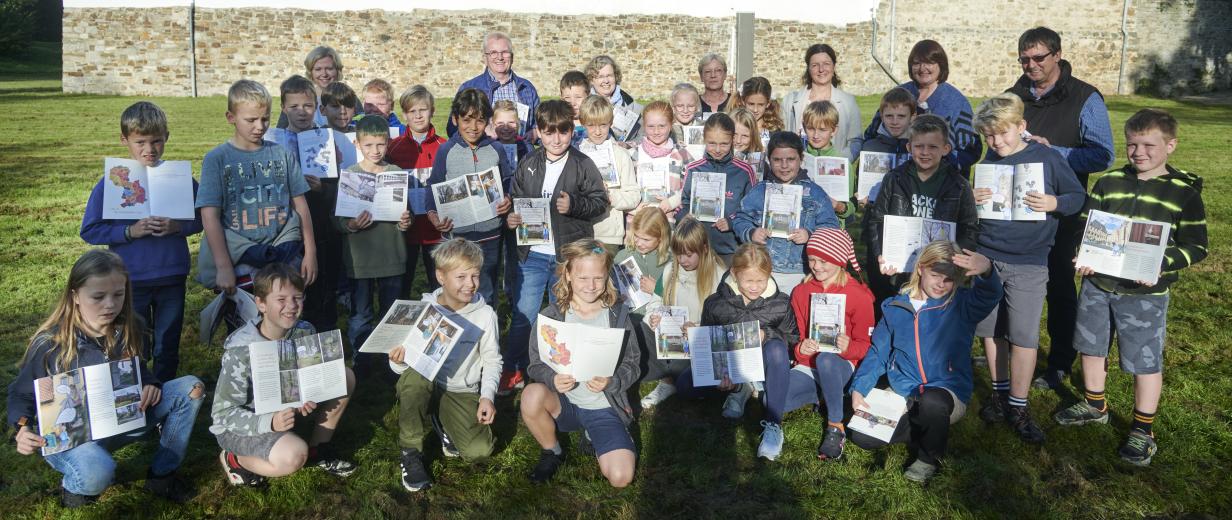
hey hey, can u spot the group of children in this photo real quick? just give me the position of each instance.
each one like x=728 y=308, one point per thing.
x=271 y=229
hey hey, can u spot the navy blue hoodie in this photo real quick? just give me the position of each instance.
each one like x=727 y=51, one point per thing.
x=1029 y=241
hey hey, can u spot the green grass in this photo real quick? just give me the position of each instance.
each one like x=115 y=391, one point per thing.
x=692 y=463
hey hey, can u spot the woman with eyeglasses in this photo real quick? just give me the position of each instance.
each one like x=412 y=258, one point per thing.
x=713 y=72
x=604 y=76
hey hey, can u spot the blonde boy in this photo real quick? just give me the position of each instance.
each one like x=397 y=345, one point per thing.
x=596 y=115
x=378 y=100
x=458 y=406
x=415 y=150
x=820 y=122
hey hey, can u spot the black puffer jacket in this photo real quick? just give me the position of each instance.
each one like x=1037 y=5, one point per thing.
x=955 y=203
x=772 y=309
x=588 y=202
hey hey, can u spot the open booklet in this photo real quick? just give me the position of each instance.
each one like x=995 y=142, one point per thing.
x=536 y=226
x=902 y=238
x=627 y=276
x=1010 y=184
x=827 y=313
x=833 y=174
x=426 y=331
x=624 y=119
x=133 y=191
x=732 y=351
x=383 y=195
x=873 y=168
x=469 y=199
x=318 y=149
x=604 y=159
x=707 y=195
x=1123 y=247
x=88 y=404
x=582 y=351
x=880 y=418
x=754 y=160
x=669 y=336
x=654 y=177
x=781 y=212
x=287 y=373
x=695 y=140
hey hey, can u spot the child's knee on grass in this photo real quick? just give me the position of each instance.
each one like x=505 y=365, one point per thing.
x=534 y=399
x=618 y=467
x=288 y=455
x=92 y=474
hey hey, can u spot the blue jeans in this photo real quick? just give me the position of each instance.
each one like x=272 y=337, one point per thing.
x=489 y=275
x=774 y=357
x=361 y=323
x=831 y=374
x=88 y=469
x=534 y=275
x=162 y=306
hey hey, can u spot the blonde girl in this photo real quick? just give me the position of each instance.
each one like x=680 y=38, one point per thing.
x=648 y=243
x=656 y=151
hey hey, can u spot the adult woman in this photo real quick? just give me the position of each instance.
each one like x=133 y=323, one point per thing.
x=322 y=66
x=929 y=69
x=712 y=69
x=821 y=84
x=604 y=76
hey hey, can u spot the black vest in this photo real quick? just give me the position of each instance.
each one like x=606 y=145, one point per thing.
x=1056 y=115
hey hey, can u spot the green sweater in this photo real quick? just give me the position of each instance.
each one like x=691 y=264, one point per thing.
x=377 y=251
x=1175 y=198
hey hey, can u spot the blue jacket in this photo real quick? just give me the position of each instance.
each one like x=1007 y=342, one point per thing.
x=931 y=348
x=787 y=256
x=455 y=159
x=740 y=179
x=150 y=260
x=527 y=95
x=1030 y=241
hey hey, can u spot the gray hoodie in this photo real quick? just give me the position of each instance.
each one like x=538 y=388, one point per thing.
x=233 y=410
x=481 y=370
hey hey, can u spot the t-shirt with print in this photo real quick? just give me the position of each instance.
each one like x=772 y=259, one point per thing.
x=924 y=201
x=253 y=189
x=581 y=395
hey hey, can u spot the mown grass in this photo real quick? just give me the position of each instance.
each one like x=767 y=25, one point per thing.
x=693 y=463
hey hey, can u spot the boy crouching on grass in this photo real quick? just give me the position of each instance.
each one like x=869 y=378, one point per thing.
x=1146 y=188
x=462 y=400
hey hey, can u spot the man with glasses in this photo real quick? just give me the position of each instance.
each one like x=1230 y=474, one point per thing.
x=1068 y=115
x=500 y=83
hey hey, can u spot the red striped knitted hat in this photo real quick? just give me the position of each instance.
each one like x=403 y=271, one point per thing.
x=834 y=246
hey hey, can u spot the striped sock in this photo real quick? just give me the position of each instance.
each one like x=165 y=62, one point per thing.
x=1002 y=388
x=1020 y=402
x=1143 y=421
x=1096 y=400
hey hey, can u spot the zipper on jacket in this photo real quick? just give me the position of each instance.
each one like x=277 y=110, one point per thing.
x=919 y=359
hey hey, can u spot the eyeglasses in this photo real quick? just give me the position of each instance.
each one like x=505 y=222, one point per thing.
x=1023 y=60
x=498 y=54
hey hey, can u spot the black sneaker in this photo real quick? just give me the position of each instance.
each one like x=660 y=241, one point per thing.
x=549 y=462
x=1026 y=428
x=447 y=445
x=831 y=447
x=993 y=410
x=236 y=474
x=169 y=487
x=323 y=457
x=1138 y=449
x=415 y=476
x=1049 y=380
x=70 y=500
x=1081 y=413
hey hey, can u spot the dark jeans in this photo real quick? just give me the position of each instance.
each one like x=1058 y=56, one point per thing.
x=1063 y=294
x=162 y=306
x=415 y=253
x=363 y=316
x=775 y=358
x=321 y=298
x=925 y=428
x=489 y=274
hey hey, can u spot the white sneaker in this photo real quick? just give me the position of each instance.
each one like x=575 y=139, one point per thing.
x=771 y=441
x=733 y=407
x=661 y=392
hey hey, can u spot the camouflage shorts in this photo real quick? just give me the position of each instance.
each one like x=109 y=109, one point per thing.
x=1140 y=321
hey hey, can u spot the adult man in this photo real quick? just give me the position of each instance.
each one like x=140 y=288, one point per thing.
x=499 y=82
x=1070 y=116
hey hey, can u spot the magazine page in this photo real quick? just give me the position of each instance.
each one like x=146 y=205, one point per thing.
x=880 y=418
x=1122 y=247
x=732 y=351
x=1028 y=178
x=827 y=313
x=113 y=397
x=348 y=149
x=454 y=201
x=623 y=120
x=832 y=174
x=627 y=276
x=707 y=195
x=420 y=176
x=171 y=186
x=492 y=192
x=356 y=191
x=395 y=328
x=873 y=168
x=536 y=227
x=274 y=380
x=390 y=199
x=695 y=140
x=126 y=189
x=1000 y=179
x=279 y=136
x=583 y=351
x=754 y=159
x=652 y=178
x=429 y=354
x=604 y=160
x=63 y=418
x=903 y=237
x=783 y=205
x=321 y=373
x=670 y=340
x=318 y=153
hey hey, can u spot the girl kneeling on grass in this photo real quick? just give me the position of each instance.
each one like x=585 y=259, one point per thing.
x=923 y=346
x=93 y=324
x=829 y=251
x=599 y=407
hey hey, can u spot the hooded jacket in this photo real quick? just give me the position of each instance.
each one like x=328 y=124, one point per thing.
x=478 y=373
x=454 y=159
x=740 y=180
x=580 y=179
x=772 y=310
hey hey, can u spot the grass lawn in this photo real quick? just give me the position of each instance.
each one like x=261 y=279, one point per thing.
x=693 y=463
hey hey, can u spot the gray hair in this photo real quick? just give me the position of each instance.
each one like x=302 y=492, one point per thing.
x=597 y=63
x=495 y=35
x=709 y=57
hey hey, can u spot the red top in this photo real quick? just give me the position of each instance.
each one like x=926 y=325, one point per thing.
x=405 y=152
x=858 y=324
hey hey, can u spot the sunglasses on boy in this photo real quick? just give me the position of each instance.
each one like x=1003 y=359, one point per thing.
x=1023 y=60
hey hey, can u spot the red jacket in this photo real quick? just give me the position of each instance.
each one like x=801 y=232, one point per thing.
x=859 y=316
x=407 y=153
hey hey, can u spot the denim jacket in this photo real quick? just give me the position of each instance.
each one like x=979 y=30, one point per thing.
x=817 y=212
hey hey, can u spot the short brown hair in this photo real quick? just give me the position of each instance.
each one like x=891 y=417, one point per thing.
x=554 y=115
x=372 y=125
x=416 y=94
x=821 y=114
x=898 y=96
x=338 y=94
x=930 y=124
x=382 y=86
x=263 y=281
x=1149 y=119
x=929 y=51
x=295 y=85
x=573 y=78
x=145 y=118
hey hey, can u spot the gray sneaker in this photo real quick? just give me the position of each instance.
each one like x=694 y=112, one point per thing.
x=733 y=407
x=1050 y=380
x=1080 y=413
x=920 y=471
x=1138 y=449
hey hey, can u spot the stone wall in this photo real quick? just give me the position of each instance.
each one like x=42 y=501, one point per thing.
x=145 y=51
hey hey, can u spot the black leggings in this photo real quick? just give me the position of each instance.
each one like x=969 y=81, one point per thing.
x=925 y=428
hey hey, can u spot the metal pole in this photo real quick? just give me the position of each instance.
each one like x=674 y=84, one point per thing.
x=744 y=46
x=192 y=45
